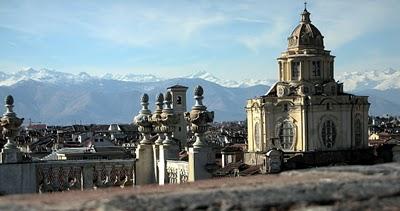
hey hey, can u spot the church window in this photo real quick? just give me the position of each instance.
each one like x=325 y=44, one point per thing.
x=316 y=68
x=295 y=70
x=331 y=68
x=357 y=132
x=286 y=135
x=179 y=100
x=257 y=138
x=328 y=133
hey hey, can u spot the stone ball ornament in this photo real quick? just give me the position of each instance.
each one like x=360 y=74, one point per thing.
x=198 y=91
x=9 y=100
x=168 y=97
x=160 y=98
x=145 y=98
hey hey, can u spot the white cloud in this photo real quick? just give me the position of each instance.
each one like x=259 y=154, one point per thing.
x=343 y=21
x=271 y=37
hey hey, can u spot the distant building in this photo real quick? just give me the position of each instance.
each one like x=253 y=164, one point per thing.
x=306 y=110
x=179 y=107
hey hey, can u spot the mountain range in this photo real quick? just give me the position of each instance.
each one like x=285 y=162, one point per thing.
x=61 y=98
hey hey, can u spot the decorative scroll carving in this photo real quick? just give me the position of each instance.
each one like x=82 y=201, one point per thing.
x=52 y=177
x=177 y=172
x=58 y=178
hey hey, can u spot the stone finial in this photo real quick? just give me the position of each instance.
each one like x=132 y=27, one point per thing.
x=9 y=100
x=168 y=119
x=145 y=102
x=198 y=96
x=168 y=100
x=142 y=120
x=199 y=118
x=198 y=91
x=9 y=104
x=145 y=98
x=159 y=102
x=157 y=120
x=160 y=98
x=10 y=124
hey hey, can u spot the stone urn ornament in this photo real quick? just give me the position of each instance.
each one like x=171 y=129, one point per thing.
x=156 y=119
x=199 y=118
x=168 y=119
x=10 y=124
x=143 y=120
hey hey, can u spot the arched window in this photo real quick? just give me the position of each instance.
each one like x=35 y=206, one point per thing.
x=179 y=100
x=286 y=135
x=357 y=132
x=257 y=138
x=328 y=133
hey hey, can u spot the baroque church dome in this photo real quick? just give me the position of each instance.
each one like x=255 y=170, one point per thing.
x=306 y=35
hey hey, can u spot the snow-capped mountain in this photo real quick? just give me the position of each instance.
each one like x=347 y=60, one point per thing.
x=229 y=83
x=42 y=75
x=131 y=77
x=52 y=76
x=63 y=98
x=375 y=79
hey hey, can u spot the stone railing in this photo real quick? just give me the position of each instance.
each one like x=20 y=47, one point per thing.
x=55 y=176
x=177 y=171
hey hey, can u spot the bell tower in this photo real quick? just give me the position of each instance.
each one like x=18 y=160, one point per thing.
x=179 y=107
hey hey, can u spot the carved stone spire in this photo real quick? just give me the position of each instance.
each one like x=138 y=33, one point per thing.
x=168 y=119
x=305 y=16
x=167 y=100
x=142 y=120
x=199 y=118
x=198 y=96
x=156 y=119
x=159 y=103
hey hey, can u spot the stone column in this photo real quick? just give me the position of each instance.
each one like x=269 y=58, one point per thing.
x=156 y=121
x=10 y=126
x=169 y=150
x=87 y=177
x=201 y=155
x=144 y=153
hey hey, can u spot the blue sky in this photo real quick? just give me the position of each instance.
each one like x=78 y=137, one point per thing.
x=230 y=39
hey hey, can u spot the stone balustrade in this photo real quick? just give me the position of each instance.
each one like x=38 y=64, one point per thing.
x=177 y=171
x=69 y=175
x=54 y=176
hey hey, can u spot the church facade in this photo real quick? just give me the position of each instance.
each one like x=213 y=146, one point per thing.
x=306 y=110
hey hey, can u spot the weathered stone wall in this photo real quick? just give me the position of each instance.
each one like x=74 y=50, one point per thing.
x=373 y=187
